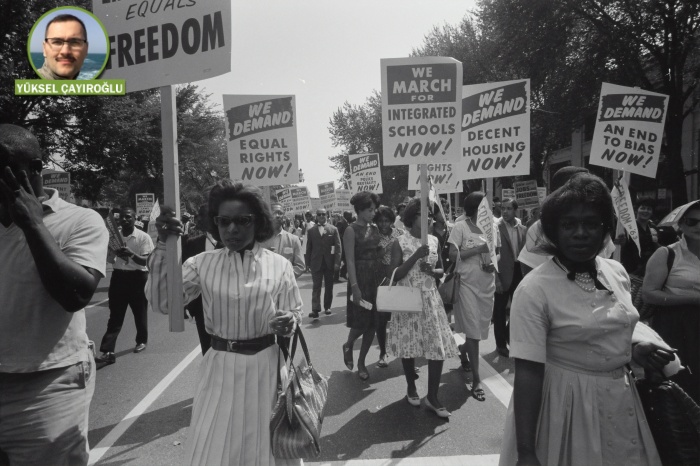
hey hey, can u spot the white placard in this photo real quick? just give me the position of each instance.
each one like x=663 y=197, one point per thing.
x=365 y=173
x=342 y=199
x=526 y=194
x=155 y=43
x=144 y=204
x=629 y=129
x=261 y=137
x=485 y=222
x=496 y=129
x=326 y=192
x=421 y=104
x=445 y=177
x=624 y=210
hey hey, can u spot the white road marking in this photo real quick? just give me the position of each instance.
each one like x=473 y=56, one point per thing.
x=97 y=304
x=491 y=378
x=110 y=439
x=462 y=460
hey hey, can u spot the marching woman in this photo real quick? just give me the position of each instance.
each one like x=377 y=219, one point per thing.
x=426 y=334
x=250 y=296
x=572 y=319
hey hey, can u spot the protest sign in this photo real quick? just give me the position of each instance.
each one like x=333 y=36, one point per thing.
x=366 y=175
x=284 y=197
x=421 y=101
x=526 y=194
x=628 y=130
x=326 y=192
x=496 y=129
x=300 y=199
x=541 y=193
x=622 y=201
x=152 y=216
x=144 y=204
x=156 y=44
x=342 y=199
x=116 y=241
x=485 y=222
x=443 y=176
x=60 y=181
x=316 y=204
x=261 y=138
x=507 y=193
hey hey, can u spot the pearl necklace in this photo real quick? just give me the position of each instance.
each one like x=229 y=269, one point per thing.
x=585 y=282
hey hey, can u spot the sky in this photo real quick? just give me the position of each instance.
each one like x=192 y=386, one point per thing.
x=325 y=52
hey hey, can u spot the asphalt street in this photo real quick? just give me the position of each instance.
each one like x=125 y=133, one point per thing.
x=142 y=404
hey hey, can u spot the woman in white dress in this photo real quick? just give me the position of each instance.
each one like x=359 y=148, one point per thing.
x=477 y=286
x=249 y=296
x=571 y=327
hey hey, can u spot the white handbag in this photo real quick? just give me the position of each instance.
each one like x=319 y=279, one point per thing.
x=395 y=298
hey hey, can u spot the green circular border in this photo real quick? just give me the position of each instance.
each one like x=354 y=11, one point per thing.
x=83 y=10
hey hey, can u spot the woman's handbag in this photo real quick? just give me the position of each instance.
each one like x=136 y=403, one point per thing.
x=674 y=421
x=295 y=425
x=395 y=298
x=449 y=289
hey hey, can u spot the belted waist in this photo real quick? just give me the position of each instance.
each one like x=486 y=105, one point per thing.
x=248 y=347
x=613 y=374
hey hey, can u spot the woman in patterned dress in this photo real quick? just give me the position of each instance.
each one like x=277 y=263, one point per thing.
x=384 y=218
x=249 y=295
x=361 y=240
x=426 y=334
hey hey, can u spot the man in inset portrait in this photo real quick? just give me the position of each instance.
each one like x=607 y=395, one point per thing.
x=65 y=48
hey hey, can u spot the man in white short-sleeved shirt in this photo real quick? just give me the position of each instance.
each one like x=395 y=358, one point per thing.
x=52 y=257
x=126 y=287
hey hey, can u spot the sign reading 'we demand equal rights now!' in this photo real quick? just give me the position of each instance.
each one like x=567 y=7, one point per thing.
x=261 y=137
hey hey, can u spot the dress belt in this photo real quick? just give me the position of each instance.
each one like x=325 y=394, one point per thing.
x=613 y=374
x=247 y=347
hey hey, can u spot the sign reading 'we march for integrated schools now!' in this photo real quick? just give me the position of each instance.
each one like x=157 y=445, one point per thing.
x=365 y=173
x=496 y=129
x=421 y=102
x=155 y=44
x=628 y=130
x=261 y=137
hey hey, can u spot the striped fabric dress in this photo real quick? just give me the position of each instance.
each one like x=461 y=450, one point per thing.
x=235 y=393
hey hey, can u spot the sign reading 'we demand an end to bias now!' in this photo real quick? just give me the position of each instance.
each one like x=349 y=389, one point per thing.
x=261 y=137
x=421 y=109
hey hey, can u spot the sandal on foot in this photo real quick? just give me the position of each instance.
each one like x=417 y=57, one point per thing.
x=382 y=362
x=362 y=373
x=478 y=394
x=413 y=400
x=347 y=357
x=464 y=360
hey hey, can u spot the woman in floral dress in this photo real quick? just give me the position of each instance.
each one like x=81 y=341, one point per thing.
x=426 y=334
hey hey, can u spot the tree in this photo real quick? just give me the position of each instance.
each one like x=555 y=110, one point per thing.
x=357 y=129
x=569 y=47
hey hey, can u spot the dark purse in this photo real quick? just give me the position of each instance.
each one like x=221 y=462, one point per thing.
x=674 y=421
x=449 y=288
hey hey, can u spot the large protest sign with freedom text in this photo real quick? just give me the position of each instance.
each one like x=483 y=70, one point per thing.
x=365 y=173
x=326 y=192
x=628 y=130
x=496 y=129
x=261 y=137
x=526 y=194
x=444 y=176
x=421 y=100
x=156 y=43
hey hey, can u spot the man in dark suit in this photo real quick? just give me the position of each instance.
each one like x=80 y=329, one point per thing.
x=512 y=235
x=323 y=252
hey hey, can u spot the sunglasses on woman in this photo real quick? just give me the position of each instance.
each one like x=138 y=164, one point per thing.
x=239 y=221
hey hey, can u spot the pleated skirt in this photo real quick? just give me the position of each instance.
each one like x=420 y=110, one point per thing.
x=586 y=420
x=231 y=412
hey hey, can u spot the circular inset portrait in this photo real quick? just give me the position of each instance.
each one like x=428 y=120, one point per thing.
x=68 y=43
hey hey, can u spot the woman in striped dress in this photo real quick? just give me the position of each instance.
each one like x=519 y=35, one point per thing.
x=249 y=295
